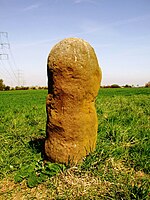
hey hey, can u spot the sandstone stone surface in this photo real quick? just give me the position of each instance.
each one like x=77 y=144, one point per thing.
x=74 y=78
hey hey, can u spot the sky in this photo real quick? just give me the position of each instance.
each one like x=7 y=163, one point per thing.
x=118 y=30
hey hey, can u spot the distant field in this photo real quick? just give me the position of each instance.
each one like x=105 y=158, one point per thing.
x=118 y=169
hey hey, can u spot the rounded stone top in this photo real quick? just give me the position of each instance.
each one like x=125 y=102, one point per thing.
x=75 y=52
x=73 y=62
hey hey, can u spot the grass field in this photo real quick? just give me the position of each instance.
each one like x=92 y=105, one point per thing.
x=118 y=169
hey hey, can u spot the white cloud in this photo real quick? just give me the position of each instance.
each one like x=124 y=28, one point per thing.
x=81 y=1
x=31 y=7
x=77 y=1
x=131 y=20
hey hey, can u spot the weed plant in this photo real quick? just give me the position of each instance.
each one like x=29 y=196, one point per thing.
x=117 y=169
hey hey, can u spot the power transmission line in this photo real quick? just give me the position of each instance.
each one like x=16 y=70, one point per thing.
x=4 y=67
x=6 y=45
x=2 y=72
x=13 y=59
x=7 y=55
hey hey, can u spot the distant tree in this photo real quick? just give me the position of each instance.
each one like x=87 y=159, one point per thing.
x=33 y=88
x=21 y=88
x=106 y=86
x=147 y=84
x=25 y=88
x=127 y=86
x=17 y=88
x=115 y=86
x=2 y=86
x=7 y=87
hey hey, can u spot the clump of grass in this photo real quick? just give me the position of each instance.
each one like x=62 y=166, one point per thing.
x=37 y=172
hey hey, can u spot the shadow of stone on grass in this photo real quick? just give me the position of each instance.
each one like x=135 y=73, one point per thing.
x=37 y=144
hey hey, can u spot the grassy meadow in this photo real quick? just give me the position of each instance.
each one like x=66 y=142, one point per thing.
x=118 y=169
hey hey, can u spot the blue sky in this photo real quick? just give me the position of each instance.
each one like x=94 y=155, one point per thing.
x=119 y=31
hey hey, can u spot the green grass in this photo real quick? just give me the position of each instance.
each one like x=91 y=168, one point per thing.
x=22 y=120
x=118 y=169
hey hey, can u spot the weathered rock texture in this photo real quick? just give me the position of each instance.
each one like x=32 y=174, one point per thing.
x=73 y=82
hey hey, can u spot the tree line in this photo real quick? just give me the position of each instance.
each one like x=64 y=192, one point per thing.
x=4 y=87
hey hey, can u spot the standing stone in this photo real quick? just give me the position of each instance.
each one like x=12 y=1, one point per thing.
x=74 y=79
